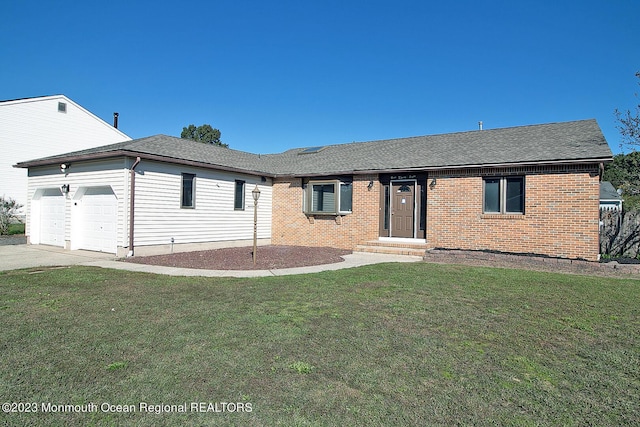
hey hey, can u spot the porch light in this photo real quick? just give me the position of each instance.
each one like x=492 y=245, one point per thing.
x=370 y=185
x=433 y=184
x=256 y=195
x=65 y=188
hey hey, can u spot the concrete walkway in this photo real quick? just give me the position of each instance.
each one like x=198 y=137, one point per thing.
x=29 y=256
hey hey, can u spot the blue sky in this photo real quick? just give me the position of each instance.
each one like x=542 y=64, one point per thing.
x=282 y=74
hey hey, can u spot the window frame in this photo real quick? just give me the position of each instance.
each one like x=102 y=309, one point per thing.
x=502 y=194
x=242 y=196
x=338 y=184
x=192 y=178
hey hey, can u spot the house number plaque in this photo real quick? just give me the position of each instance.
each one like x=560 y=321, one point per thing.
x=394 y=177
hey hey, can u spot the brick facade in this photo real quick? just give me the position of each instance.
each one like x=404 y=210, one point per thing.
x=560 y=220
x=561 y=216
x=291 y=226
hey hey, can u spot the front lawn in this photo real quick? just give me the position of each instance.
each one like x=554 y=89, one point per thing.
x=382 y=345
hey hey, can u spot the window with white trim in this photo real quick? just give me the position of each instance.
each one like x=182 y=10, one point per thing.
x=503 y=195
x=330 y=197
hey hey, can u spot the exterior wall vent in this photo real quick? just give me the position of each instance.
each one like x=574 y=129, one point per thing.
x=62 y=107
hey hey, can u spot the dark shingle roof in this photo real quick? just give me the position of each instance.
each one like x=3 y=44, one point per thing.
x=556 y=142
x=167 y=148
x=576 y=141
x=607 y=192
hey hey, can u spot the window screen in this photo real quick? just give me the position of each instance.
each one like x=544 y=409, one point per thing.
x=323 y=198
x=346 y=196
x=515 y=194
x=492 y=195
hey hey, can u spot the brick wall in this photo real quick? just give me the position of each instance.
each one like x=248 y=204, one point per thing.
x=560 y=220
x=292 y=227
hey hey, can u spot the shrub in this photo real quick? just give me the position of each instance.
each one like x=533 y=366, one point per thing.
x=8 y=213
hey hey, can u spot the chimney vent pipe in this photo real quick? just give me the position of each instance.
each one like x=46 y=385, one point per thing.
x=115 y=120
x=480 y=125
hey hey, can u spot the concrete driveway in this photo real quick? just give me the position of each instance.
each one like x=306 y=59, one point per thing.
x=26 y=256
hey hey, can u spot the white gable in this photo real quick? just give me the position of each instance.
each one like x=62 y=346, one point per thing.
x=38 y=127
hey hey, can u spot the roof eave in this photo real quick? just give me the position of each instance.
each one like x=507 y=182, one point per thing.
x=597 y=160
x=145 y=156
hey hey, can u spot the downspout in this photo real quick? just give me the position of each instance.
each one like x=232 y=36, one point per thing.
x=132 y=196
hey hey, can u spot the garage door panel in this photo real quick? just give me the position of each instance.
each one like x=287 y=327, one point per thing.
x=98 y=220
x=52 y=216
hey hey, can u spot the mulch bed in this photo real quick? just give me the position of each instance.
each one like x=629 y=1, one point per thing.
x=538 y=263
x=267 y=258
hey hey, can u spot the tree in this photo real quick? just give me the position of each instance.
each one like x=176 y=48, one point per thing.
x=204 y=133
x=629 y=124
x=8 y=213
x=624 y=173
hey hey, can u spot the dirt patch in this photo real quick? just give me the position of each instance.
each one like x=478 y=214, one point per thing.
x=267 y=258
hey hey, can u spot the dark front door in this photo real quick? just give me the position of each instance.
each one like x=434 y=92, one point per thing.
x=403 y=209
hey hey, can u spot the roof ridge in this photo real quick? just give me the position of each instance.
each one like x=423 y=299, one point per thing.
x=405 y=138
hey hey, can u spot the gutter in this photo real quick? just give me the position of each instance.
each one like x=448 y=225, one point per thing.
x=132 y=196
x=599 y=160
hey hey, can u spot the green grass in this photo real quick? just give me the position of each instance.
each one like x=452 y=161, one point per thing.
x=16 y=229
x=383 y=345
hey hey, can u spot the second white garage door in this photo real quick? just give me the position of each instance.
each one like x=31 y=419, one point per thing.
x=97 y=220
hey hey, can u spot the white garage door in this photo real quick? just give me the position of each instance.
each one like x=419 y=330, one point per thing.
x=98 y=219
x=52 y=217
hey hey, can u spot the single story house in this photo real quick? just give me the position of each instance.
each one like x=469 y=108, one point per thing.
x=529 y=189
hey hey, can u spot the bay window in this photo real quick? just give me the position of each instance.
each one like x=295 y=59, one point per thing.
x=331 y=197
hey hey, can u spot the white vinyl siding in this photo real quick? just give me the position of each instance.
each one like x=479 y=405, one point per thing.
x=158 y=216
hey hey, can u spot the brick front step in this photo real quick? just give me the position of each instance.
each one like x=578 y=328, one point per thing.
x=393 y=248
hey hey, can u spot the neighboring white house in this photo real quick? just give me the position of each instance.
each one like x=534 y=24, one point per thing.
x=610 y=199
x=38 y=127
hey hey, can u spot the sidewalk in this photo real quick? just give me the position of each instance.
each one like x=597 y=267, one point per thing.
x=30 y=256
